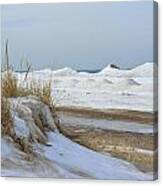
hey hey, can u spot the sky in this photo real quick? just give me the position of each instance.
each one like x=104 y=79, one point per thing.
x=78 y=35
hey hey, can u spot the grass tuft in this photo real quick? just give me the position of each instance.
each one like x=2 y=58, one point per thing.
x=11 y=87
x=42 y=91
x=6 y=117
x=9 y=84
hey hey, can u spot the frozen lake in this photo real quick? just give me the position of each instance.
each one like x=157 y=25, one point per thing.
x=109 y=88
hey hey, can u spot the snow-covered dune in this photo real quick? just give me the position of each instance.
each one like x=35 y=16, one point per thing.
x=86 y=162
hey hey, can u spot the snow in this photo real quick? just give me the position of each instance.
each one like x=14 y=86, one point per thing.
x=85 y=162
x=44 y=71
x=14 y=164
x=6 y=148
x=109 y=71
x=110 y=88
x=145 y=70
x=20 y=127
x=127 y=82
x=66 y=159
x=65 y=72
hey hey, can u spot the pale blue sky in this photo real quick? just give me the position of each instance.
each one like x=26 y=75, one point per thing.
x=81 y=35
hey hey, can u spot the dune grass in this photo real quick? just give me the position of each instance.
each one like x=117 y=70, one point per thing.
x=11 y=87
x=144 y=162
x=42 y=91
x=6 y=118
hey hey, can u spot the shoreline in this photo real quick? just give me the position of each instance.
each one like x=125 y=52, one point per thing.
x=143 y=117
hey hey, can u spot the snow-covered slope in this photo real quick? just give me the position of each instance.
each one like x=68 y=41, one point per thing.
x=65 y=159
x=88 y=163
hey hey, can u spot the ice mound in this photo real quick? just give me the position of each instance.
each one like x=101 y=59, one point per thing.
x=67 y=71
x=145 y=70
x=109 y=70
x=113 y=72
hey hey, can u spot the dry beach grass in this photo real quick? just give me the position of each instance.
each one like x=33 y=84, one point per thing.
x=12 y=88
